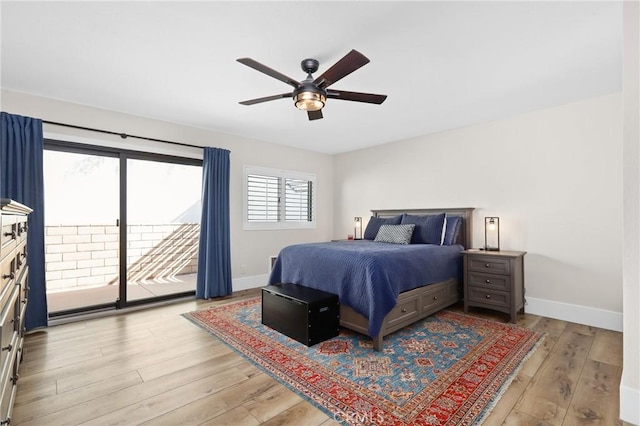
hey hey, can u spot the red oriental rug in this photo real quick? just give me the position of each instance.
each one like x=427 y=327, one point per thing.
x=448 y=369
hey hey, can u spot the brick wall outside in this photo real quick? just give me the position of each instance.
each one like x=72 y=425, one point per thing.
x=87 y=255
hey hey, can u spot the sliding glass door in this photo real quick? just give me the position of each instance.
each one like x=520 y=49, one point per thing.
x=163 y=227
x=121 y=227
x=81 y=229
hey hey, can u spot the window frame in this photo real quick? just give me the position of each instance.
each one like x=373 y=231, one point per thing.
x=281 y=175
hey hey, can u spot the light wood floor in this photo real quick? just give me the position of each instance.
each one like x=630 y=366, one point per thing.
x=154 y=367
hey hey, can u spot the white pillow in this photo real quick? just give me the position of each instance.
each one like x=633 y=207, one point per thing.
x=444 y=230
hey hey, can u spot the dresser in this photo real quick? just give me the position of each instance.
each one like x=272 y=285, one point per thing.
x=494 y=280
x=14 y=291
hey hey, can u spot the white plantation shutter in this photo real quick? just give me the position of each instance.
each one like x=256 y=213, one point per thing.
x=263 y=198
x=278 y=199
x=298 y=206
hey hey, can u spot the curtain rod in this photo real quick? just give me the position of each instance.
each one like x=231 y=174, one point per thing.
x=122 y=135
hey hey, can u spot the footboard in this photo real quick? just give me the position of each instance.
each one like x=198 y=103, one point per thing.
x=413 y=305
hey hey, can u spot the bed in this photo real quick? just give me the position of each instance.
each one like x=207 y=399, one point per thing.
x=384 y=287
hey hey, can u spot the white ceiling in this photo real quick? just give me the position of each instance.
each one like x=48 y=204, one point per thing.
x=442 y=64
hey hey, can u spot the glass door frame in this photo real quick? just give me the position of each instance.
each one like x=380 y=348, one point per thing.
x=123 y=155
x=123 y=300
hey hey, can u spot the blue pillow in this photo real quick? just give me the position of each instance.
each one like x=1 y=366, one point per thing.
x=452 y=230
x=374 y=225
x=428 y=228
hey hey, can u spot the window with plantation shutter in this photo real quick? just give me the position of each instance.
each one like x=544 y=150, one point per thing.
x=276 y=199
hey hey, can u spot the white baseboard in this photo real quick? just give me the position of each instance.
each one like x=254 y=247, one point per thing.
x=594 y=317
x=629 y=405
x=253 y=281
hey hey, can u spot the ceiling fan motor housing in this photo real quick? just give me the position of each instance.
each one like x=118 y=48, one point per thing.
x=309 y=65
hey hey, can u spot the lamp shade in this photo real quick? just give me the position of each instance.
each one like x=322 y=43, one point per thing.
x=492 y=233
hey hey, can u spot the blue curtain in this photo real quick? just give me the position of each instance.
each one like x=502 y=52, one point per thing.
x=214 y=256
x=21 y=177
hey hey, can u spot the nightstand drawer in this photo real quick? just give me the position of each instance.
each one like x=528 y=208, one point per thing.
x=488 y=297
x=493 y=265
x=491 y=281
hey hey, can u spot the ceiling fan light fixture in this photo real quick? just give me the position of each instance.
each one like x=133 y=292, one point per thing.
x=310 y=100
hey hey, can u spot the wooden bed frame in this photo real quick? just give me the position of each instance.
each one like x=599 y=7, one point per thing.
x=416 y=304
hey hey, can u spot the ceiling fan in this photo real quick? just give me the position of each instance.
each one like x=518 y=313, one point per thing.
x=311 y=95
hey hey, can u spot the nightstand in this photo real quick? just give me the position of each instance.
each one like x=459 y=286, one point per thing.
x=494 y=280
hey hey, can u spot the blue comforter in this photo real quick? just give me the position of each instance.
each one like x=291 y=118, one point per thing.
x=367 y=275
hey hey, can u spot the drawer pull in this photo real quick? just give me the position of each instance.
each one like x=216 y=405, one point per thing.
x=15 y=378
x=404 y=310
x=488 y=296
x=8 y=348
x=11 y=234
x=10 y=276
x=487 y=265
x=6 y=421
x=435 y=297
x=488 y=281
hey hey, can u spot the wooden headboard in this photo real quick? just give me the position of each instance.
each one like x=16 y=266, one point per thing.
x=466 y=230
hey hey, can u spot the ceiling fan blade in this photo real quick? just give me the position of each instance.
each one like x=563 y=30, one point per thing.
x=345 y=66
x=356 y=96
x=268 y=71
x=315 y=115
x=266 y=99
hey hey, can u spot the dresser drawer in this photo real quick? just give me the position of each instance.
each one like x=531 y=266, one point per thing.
x=22 y=229
x=489 y=297
x=8 y=391
x=8 y=234
x=403 y=311
x=7 y=272
x=19 y=357
x=8 y=333
x=490 y=281
x=20 y=258
x=23 y=283
x=494 y=265
x=5 y=401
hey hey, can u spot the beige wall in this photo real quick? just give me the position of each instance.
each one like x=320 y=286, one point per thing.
x=630 y=383
x=250 y=250
x=554 y=177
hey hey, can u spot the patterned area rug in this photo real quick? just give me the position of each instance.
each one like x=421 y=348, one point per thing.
x=447 y=369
